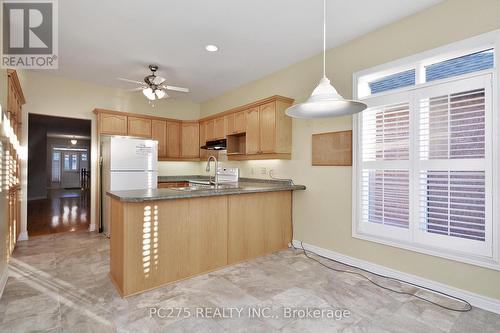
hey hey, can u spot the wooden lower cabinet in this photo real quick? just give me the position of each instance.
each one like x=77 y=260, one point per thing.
x=259 y=223
x=157 y=242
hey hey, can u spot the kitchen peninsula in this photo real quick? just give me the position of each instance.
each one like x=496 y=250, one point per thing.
x=167 y=234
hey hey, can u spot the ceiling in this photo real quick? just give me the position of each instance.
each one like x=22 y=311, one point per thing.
x=102 y=40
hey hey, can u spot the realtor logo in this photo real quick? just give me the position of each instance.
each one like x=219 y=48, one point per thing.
x=29 y=34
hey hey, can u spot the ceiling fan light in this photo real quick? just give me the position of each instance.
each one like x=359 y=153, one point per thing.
x=160 y=93
x=148 y=92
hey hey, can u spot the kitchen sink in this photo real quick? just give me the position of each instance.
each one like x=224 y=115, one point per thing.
x=200 y=187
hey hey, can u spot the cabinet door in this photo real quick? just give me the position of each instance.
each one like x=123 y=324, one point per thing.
x=190 y=140
x=112 y=124
x=252 y=129
x=202 y=139
x=139 y=127
x=239 y=122
x=219 y=128
x=159 y=133
x=173 y=139
x=209 y=130
x=267 y=122
x=230 y=124
x=258 y=224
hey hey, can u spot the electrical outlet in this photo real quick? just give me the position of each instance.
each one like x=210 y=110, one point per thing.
x=263 y=171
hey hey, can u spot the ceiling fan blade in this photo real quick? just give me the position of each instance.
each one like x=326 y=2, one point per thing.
x=135 y=89
x=158 y=80
x=174 y=88
x=128 y=80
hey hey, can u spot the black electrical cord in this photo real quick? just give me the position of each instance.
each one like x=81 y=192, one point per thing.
x=467 y=308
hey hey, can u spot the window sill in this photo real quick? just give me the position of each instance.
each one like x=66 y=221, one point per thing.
x=440 y=253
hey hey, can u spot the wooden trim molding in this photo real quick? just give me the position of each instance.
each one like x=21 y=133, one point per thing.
x=17 y=85
x=249 y=106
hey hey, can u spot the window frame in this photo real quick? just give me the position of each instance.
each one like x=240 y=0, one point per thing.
x=419 y=61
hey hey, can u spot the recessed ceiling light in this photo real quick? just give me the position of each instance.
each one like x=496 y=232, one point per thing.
x=212 y=48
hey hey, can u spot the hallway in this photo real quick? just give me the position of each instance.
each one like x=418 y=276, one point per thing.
x=62 y=211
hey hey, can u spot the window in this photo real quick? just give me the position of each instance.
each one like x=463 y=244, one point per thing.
x=393 y=81
x=375 y=83
x=56 y=166
x=74 y=162
x=70 y=161
x=457 y=66
x=67 y=162
x=425 y=164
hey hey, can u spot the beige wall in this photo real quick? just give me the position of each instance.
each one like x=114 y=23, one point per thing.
x=58 y=96
x=322 y=213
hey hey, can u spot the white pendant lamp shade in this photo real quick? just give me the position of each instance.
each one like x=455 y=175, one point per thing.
x=325 y=101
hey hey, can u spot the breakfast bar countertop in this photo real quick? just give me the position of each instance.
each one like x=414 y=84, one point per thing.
x=245 y=185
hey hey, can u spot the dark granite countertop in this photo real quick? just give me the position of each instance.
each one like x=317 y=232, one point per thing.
x=245 y=185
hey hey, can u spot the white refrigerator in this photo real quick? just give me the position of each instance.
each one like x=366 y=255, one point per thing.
x=127 y=164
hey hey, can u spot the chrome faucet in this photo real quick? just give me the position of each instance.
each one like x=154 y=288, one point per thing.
x=216 y=168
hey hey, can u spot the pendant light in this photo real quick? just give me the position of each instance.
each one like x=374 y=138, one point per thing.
x=325 y=101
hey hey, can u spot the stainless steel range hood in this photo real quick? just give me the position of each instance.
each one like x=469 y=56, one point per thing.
x=215 y=145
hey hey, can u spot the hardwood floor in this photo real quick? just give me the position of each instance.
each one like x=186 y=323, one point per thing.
x=61 y=211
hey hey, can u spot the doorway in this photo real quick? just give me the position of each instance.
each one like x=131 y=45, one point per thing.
x=58 y=174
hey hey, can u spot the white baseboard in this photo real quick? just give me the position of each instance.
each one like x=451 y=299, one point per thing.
x=3 y=280
x=92 y=227
x=23 y=236
x=477 y=300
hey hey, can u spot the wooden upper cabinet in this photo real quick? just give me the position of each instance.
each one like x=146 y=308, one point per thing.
x=113 y=124
x=252 y=131
x=139 y=127
x=173 y=139
x=229 y=119
x=159 y=133
x=235 y=123
x=210 y=130
x=190 y=142
x=240 y=122
x=203 y=140
x=267 y=123
x=219 y=128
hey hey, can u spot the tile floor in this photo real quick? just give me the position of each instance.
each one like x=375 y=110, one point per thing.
x=59 y=283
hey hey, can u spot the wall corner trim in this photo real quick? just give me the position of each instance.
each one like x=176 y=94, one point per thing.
x=477 y=300
x=3 y=280
x=23 y=236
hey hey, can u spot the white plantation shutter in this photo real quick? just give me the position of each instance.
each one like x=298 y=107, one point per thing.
x=424 y=168
x=385 y=177
x=454 y=165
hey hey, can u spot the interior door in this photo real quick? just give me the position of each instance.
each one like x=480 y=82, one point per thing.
x=70 y=175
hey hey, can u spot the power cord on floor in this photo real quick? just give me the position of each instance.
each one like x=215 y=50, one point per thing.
x=467 y=308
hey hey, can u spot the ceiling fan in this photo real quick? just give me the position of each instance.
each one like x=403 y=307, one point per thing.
x=154 y=86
